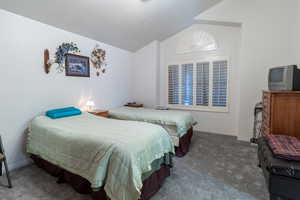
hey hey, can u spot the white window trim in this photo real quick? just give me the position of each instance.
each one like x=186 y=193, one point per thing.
x=208 y=108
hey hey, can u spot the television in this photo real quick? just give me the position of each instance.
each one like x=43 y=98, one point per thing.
x=284 y=78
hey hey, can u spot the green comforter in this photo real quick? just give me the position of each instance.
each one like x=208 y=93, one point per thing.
x=108 y=152
x=183 y=120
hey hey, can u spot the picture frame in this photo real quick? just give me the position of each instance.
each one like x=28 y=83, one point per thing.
x=77 y=65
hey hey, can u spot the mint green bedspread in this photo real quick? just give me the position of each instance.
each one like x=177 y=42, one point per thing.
x=183 y=120
x=113 y=153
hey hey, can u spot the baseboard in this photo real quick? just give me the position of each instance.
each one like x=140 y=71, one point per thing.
x=18 y=164
x=216 y=133
x=245 y=139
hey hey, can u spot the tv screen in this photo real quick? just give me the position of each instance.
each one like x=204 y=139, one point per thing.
x=276 y=75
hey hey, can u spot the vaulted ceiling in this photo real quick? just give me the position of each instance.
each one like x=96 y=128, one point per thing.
x=127 y=24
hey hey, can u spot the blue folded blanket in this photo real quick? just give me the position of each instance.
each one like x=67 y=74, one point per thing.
x=60 y=110
x=63 y=112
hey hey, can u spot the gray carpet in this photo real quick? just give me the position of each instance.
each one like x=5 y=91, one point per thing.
x=217 y=168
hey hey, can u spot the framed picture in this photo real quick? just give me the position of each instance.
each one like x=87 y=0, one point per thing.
x=77 y=65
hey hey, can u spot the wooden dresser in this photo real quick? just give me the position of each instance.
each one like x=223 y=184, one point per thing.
x=281 y=113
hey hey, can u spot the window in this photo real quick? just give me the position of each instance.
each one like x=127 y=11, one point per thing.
x=195 y=41
x=187 y=84
x=202 y=84
x=199 y=85
x=219 y=94
x=173 y=84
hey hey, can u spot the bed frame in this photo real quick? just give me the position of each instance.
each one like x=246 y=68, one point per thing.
x=184 y=144
x=150 y=186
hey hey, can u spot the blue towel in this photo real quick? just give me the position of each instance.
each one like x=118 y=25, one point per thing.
x=63 y=112
x=60 y=110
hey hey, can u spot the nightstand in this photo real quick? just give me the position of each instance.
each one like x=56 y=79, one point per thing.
x=101 y=113
x=134 y=105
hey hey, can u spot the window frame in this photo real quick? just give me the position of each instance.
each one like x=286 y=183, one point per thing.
x=210 y=107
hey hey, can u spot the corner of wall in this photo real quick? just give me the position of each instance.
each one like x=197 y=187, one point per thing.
x=145 y=75
x=19 y=164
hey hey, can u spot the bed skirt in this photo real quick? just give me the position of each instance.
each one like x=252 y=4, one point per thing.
x=151 y=185
x=184 y=144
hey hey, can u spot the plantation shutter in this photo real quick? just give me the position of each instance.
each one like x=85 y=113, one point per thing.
x=219 y=93
x=202 y=84
x=173 y=76
x=187 y=84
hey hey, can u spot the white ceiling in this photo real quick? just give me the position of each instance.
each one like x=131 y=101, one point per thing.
x=128 y=24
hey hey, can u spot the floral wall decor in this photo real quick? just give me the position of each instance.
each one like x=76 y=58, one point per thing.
x=98 y=59
x=62 y=50
x=60 y=56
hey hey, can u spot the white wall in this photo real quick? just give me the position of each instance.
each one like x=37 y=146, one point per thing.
x=296 y=38
x=26 y=91
x=268 y=28
x=145 y=75
x=228 y=39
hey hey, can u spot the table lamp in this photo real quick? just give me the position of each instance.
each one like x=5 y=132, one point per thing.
x=90 y=105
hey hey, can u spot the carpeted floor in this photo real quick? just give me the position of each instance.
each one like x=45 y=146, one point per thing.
x=217 y=168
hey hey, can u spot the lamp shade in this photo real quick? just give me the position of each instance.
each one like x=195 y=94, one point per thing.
x=90 y=103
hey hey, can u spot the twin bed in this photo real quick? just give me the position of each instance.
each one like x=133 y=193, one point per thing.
x=119 y=159
x=179 y=124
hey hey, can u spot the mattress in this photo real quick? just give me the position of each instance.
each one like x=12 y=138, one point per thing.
x=107 y=152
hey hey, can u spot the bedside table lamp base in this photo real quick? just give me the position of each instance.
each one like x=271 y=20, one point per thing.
x=90 y=105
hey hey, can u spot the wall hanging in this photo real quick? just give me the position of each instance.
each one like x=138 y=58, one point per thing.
x=47 y=63
x=98 y=59
x=77 y=65
x=60 y=56
x=62 y=50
